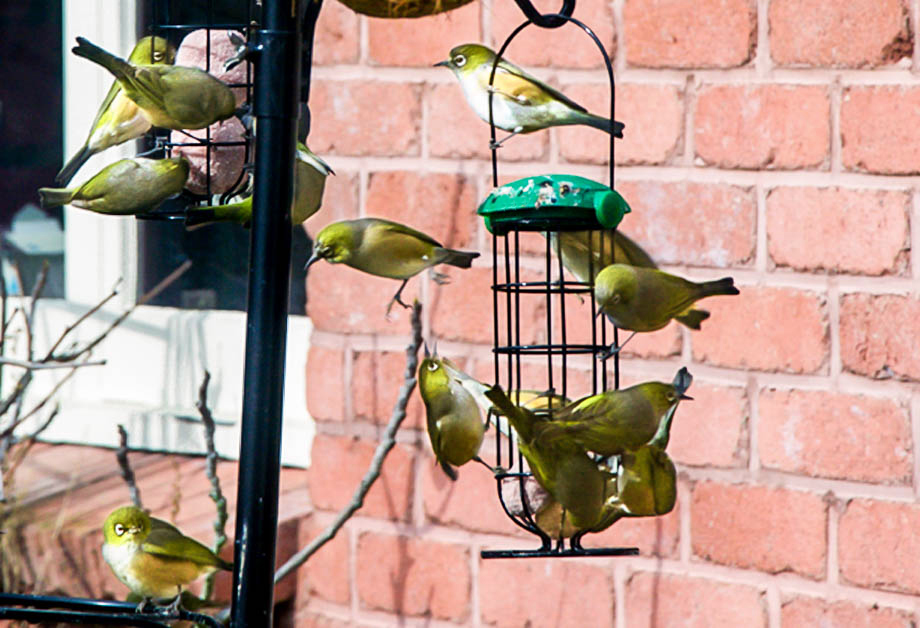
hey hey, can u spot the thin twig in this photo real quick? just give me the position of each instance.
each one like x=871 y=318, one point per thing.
x=126 y=473
x=3 y=324
x=43 y=366
x=216 y=495
x=8 y=431
x=27 y=442
x=83 y=317
x=37 y=290
x=157 y=289
x=380 y=454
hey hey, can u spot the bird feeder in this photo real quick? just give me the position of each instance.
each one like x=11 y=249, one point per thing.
x=551 y=204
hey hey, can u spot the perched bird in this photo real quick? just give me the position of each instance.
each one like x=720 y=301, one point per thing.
x=384 y=248
x=310 y=174
x=128 y=186
x=646 y=480
x=577 y=248
x=560 y=466
x=169 y=96
x=645 y=299
x=153 y=558
x=615 y=421
x=521 y=102
x=119 y=119
x=455 y=424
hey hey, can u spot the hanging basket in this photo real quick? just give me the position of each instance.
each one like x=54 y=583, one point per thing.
x=403 y=8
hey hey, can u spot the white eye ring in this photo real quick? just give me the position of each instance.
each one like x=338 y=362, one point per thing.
x=157 y=56
x=433 y=366
x=120 y=529
x=460 y=61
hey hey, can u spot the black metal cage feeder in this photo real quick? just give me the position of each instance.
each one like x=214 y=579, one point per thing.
x=554 y=205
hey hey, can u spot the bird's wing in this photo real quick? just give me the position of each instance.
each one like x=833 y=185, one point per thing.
x=166 y=540
x=103 y=182
x=674 y=294
x=104 y=107
x=148 y=82
x=396 y=228
x=513 y=82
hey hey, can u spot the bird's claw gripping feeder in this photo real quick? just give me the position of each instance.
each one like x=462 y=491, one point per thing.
x=550 y=204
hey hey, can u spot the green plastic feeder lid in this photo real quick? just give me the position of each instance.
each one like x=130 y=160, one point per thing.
x=553 y=202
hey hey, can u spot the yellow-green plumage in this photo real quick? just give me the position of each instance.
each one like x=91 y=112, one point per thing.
x=561 y=467
x=521 y=103
x=169 y=96
x=119 y=119
x=310 y=174
x=152 y=557
x=614 y=421
x=646 y=299
x=455 y=425
x=128 y=186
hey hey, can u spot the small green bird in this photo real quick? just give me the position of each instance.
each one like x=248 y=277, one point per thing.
x=646 y=299
x=616 y=421
x=119 y=119
x=646 y=480
x=386 y=249
x=152 y=557
x=522 y=103
x=169 y=96
x=310 y=174
x=455 y=424
x=128 y=186
x=560 y=466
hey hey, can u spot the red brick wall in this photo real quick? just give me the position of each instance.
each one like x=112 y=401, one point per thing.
x=774 y=140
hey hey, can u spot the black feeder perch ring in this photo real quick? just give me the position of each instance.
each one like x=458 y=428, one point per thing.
x=549 y=204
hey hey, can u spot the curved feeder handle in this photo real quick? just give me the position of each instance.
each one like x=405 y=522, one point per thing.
x=549 y=20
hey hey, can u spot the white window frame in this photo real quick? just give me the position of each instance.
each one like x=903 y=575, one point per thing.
x=156 y=358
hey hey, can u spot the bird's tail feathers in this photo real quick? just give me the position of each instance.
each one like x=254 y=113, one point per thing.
x=54 y=197
x=449 y=470
x=461 y=259
x=71 y=167
x=693 y=318
x=88 y=50
x=726 y=286
x=604 y=124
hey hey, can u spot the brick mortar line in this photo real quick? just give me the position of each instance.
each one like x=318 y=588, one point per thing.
x=761 y=247
x=763 y=61
x=833 y=329
x=684 y=547
x=914 y=234
x=769 y=478
x=833 y=542
x=660 y=173
x=753 y=390
x=619 y=594
x=836 y=147
x=774 y=605
x=915 y=440
x=740 y=76
x=685 y=158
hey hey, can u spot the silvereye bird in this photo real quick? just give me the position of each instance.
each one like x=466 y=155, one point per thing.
x=119 y=119
x=384 y=248
x=560 y=466
x=455 y=424
x=576 y=248
x=153 y=558
x=646 y=480
x=646 y=299
x=169 y=96
x=521 y=103
x=128 y=186
x=310 y=174
x=615 y=421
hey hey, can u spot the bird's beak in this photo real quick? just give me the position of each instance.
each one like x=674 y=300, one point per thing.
x=688 y=397
x=427 y=353
x=600 y=311
x=444 y=63
x=313 y=259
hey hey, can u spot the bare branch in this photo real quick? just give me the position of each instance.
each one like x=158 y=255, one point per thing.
x=380 y=454
x=8 y=431
x=216 y=495
x=82 y=318
x=157 y=289
x=42 y=366
x=126 y=473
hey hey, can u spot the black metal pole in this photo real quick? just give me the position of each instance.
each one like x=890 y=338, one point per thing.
x=277 y=88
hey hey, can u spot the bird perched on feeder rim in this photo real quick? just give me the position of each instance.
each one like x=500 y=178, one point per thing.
x=646 y=299
x=386 y=249
x=152 y=557
x=119 y=119
x=522 y=103
x=128 y=186
x=455 y=425
x=310 y=174
x=169 y=96
x=616 y=421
